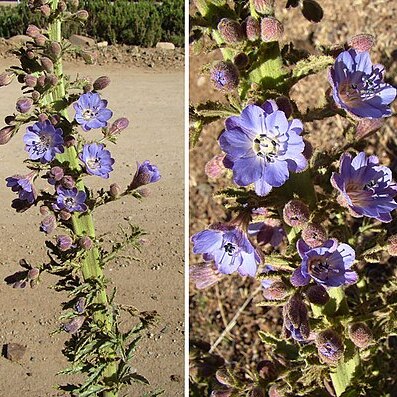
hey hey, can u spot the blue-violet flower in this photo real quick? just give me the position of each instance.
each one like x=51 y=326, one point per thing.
x=263 y=147
x=358 y=85
x=146 y=173
x=70 y=200
x=97 y=160
x=365 y=187
x=23 y=185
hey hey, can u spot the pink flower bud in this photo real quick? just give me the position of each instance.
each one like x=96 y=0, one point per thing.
x=24 y=105
x=41 y=80
x=101 y=83
x=6 y=133
x=114 y=190
x=360 y=335
x=361 y=42
x=85 y=243
x=33 y=31
x=30 y=80
x=35 y=96
x=65 y=215
x=42 y=117
x=230 y=31
x=6 y=78
x=252 y=28
x=48 y=224
x=317 y=294
x=392 y=245
x=51 y=80
x=276 y=291
x=55 y=49
x=314 y=234
x=223 y=377
x=296 y=213
x=62 y=6
x=64 y=242
x=47 y=64
x=45 y=10
x=215 y=168
x=74 y=325
x=330 y=346
x=70 y=141
x=271 y=29
x=68 y=182
x=118 y=126
x=225 y=76
x=40 y=40
x=33 y=273
x=366 y=127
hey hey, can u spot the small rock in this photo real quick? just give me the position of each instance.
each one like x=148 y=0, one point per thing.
x=14 y=351
x=102 y=44
x=81 y=41
x=163 y=45
x=19 y=40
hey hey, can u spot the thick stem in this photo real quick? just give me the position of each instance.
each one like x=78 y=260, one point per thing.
x=83 y=223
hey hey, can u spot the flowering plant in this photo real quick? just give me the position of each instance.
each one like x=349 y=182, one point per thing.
x=303 y=224
x=63 y=152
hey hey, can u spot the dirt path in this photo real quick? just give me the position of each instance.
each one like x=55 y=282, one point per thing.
x=154 y=104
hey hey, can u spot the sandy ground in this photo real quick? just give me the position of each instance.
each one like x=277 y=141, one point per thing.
x=154 y=104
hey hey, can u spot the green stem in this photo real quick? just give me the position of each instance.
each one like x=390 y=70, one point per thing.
x=83 y=223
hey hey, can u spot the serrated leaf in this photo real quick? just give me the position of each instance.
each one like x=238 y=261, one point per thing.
x=93 y=390
x=311 y=65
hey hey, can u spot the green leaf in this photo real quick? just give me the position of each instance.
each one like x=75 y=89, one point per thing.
x=311 y=65
x=93 y=390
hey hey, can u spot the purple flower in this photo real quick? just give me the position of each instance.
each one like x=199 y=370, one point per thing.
x=328 y=265
x=97 y=160
x=268 y=232
x=230 y=249
x=365 y=187
x=23 y=185
x=263 y=147
x=358 y=86
x=91 y=111
x=43 y=141
x=70 y=200
x=48 y=224
x=146 y=173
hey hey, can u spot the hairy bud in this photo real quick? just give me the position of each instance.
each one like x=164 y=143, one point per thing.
x=55 y=49
x=85 y=243
x=252 y=28
x=267 y=370
x=271 y=29
x=44 y=210
x=223 y=377
x=6 y=78
x=47 y=64
x=296 y=213
x=230 y=31
x=360 y=335
x=36 y=96
x=118 y=126
x=45 y=10
x=40 y=40
x=101 y=83
x=33 y=273
x=392 y=245
x=241 y=60
x=64 y=242
x=314 y=234
x=74 y=325
x=33 y=31
x=65 y=215
x=265 y=7
x=361 y=42
x=224 y=76
x=48 y=224
x=215 y=168
x=114 y=190
x=24 y=105
x=277 y=290
x=366 y=127
x=51 y=80
x=6 y=133
x=82 y=15
x=274 y=391
x=68 y=182
x=204 y=275
x=62 y=6
x=317 y=294
x=257 y=391
x=30 y=80
x=296 y=321
x=55 y=174
x=330 y=346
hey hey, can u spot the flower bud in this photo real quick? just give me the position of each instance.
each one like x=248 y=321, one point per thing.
x=62 y=6
x=33 y=31
x=45 y=10
x=144 y=191
x=312 y=11
x=44 y=210
x=74 y=325
x=366 y=127
x=24 y=105
x=392 y=245
x=146 y=173
x=285 y=105
x=82 y=15
x=65 y=215
x=265 y=7
x=271 y=29
x=241 y=60
x=6 y=133
x=42 y=117
x=215 y=168
x=40 y=40
x=230 y=31
x=277 y=290
x=257 y=391
x=221 y=393
x=30 y=54
x=267 y=370
x=314 y=234
x=64 y=242
x=223 y=377
x=55 y=174
x=70 y=141
x=80 y=305
x=33 y=273
x=9 y=120
x=296 y=321
x=308 y=150
x=118 y=126
x=51 y=80
x=47 y=64
x=224 y=76
x=101 y=83
x=55 y=49
x=274 y=391
x=361 y=42
x=252 y=28
x=6 y=78
x=48 y=224
x=85 y=243
x=68 y=182
x=296 y=213
x=36 y=96
x=204 y=275
x=330 y=346
x=317 y=294
x=360 y=335
x=30 y=80
x=114 y=190
x=88 y=88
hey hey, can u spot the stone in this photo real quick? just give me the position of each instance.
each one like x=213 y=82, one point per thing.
x=81 y=41
x=163 y=45
x=14 y=351
x=19 y=40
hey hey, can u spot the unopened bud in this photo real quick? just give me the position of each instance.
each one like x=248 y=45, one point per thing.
x=241 y=60
x=312 y=11
x=223 y=377
x=24 y=105
x=33 y=273
x=80 y=305
x=317 y=294
x=55 y=49
x=62 y=6
x=204 y=275
x=275 y=391
x=85 y=243
x=146 y=173
x=257 y=391
x=65 y=214
x=267 y=370
x=82 y=15
x=68 y=182
x=265 y=7
x=55 y=119
x=114 y=190
x=392 y=245
x=366 y=127
x=225 y=76
x=70 y=141
x=64 y=242
x=42 y=117
x=361 y=42
x=9 y=120
x=144 y=191
x=252 y=28
x=330 y=346
x=45 y=10
x=285 y=105
x=360 y=335
x=30 y=80
x=47 y=64
x=221 y=393
x=6 y=133
x=30 y=54
x=296 y=213
x=271 y=29
x=41 y=80
x=276 y=291
x=74 y=325
x=308 y=150
x=295 y=316
x=36 y=96
x=88 y=88
x=101 y=83
x=55 y=174
x=230 y=31
x=48 y=224
x=215 y=168
x=314 y=234
x=6 y=78
x=33 y=31
x=51 y=80
x=40 y=40
x=44 y=210
x=118 y=126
